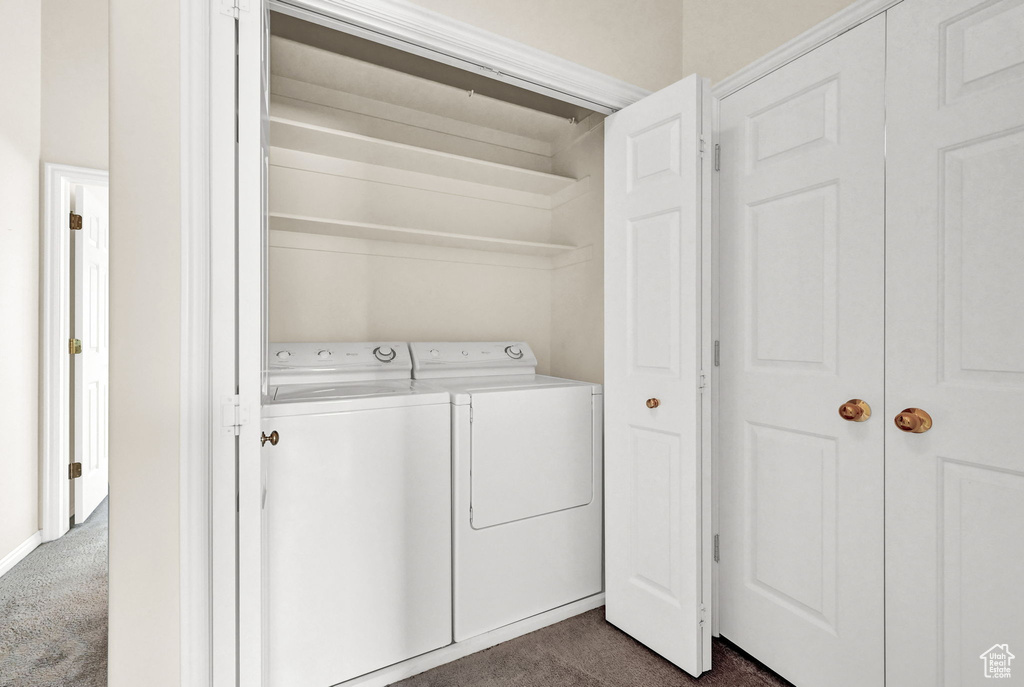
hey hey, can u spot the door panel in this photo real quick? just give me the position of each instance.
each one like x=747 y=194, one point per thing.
x=91 y=325
x=657 y=534
x=532 y=453
x=954 y=337
x=802 y=269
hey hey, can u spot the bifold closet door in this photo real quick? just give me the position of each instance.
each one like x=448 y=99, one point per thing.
x=802 y=316
x=657 y=469
x=955 y=342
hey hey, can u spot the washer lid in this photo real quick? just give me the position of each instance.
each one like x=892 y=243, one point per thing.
x=320 y=363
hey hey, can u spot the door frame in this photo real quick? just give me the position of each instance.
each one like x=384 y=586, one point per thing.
x=55 y=363
x=208 y=557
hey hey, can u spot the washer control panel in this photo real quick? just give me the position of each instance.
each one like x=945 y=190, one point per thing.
x=434 y=359
x=317 y=363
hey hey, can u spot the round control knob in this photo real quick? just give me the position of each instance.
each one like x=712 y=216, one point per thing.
x=514 y=352
x=323 y=355
x=434 y=353
x=284 y=355
x=385 y=354
x=465 y=353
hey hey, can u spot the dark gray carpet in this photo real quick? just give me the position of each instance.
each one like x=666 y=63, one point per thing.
x=53 y=607
x=585 y=651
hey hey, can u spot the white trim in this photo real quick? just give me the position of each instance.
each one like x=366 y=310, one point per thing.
x=20 y=551
x=55 y=388
x=839 y=23
x=453 y=652
x=428 y=34
x=195 y=406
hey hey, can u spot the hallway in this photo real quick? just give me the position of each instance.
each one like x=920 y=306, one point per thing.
x=54 y=610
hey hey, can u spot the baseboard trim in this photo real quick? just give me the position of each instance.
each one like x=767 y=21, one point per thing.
x=20 y=551
x=452 y=652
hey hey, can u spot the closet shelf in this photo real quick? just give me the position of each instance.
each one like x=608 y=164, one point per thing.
x=311 y=138
x=381 y=232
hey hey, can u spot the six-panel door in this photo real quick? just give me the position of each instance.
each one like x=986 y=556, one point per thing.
x=954 y=517
x=802 y=279
x=657 y=504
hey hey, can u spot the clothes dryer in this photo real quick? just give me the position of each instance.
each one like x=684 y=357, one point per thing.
x=527 y=471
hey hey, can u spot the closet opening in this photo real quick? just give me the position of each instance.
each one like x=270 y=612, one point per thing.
x=410 y=200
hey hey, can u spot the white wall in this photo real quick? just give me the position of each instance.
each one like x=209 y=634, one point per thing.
x=20 y=55
x=638 y=42
x=145 y=301
x=723 y=36
x=75 y=83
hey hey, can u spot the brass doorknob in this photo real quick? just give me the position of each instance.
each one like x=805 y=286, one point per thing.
x=855 y=410
x=653 y=403
x=273 y=438
x=913 y=420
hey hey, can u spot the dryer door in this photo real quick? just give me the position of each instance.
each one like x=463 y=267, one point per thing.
x=532 y=453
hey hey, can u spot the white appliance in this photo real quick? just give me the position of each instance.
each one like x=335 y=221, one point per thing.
x=527 y=466
x=357 y=513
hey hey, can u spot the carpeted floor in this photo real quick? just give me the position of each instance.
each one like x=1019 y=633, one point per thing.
x=585 y=651
x=54 y=634
x=53 y=607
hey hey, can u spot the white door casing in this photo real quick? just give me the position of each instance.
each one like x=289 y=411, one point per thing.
x=954 y=338
x=252 y=164
x=91 y=251
x=801 y=307
x=657 y=486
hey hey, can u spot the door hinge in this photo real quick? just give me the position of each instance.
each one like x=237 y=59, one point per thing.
x=703 y=145
x=717 y=350
x=716 y=548
x=471 y=413
x=703 y=615
x=74 y=470
x=75 y=222
x=718 y=157
x=74 y=346
x=233 y=7
x=234 y=414
x=703 y=382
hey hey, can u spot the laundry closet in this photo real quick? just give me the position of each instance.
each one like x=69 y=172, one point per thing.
x=793 y=303
x=434 y=246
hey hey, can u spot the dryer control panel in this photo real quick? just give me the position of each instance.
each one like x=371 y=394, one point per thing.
x=436 y=359
x=327 y=363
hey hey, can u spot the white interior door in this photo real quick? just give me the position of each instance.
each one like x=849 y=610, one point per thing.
x=801 y=307
x=657 y=484
x=91 y=325
x=955 y=340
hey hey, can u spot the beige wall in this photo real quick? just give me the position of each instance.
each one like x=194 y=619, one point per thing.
x=19 y=270
x=145 y=300
x=723 y=36
x=330 y=296
x=74 y=88
x=637 y=42
x=577 y=306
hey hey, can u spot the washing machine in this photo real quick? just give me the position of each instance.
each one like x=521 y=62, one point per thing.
x=527 y=482
x=357 y=512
